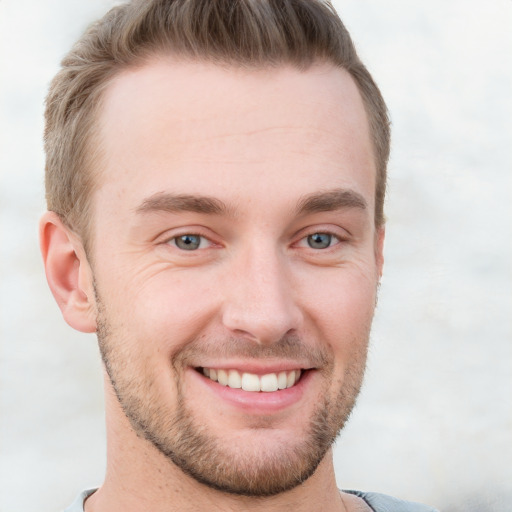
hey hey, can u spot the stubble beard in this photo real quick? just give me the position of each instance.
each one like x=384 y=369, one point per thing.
x=187 y=443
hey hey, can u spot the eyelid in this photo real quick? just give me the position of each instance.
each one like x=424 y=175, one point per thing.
x=172 y=234
x=202 y=238
x=335 y=240
x=337 y=232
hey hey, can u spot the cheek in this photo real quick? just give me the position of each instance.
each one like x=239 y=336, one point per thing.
x=342 y=308
x=159 y=309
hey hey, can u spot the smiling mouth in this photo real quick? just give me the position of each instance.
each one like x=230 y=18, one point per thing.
x=268 y=383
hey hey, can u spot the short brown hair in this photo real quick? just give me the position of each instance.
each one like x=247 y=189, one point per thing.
x=252 y=33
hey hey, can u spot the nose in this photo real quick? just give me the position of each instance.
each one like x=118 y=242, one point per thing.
x=260 y=300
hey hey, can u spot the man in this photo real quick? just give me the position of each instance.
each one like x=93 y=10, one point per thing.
x=215 y=183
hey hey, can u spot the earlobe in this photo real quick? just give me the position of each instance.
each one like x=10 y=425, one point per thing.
x=68 y=273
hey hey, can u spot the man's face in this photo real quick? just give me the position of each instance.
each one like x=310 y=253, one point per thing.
x=234 y=245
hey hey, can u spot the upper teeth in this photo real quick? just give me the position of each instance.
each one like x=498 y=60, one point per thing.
x=252 y=382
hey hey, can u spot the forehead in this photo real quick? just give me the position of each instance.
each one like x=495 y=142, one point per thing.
x=191 y=127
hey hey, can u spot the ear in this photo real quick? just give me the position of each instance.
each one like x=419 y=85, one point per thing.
x=379 y=248
x=68 y=273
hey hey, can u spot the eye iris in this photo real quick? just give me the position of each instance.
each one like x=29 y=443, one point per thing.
x=319 y=240
x=188 y=242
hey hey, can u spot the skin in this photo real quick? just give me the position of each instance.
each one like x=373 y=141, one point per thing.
x=259 y=144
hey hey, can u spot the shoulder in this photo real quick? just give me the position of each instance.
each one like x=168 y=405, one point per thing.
x=383 y=503
x=78 y=504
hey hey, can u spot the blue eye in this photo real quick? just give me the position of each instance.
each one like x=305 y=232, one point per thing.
x=188 y=242
x=319 y=240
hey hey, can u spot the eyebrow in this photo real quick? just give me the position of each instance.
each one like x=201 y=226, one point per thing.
x=173 y=203
x=331 y=200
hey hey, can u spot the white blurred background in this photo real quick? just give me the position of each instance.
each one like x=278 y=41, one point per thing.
x=434 y=421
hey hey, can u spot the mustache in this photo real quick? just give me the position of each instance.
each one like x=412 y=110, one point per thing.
x=290 y=347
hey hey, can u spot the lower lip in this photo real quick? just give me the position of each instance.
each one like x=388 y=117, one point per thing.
x=258 y=402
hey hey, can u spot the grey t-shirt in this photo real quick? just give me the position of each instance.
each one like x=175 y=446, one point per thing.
x=383 y=503
x=377 y=502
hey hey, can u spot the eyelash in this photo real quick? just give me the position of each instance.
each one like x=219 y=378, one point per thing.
x=304 y=241
x=202 y=240
x=333 y=240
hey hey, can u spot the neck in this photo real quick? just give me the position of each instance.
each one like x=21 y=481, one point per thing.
x=139 y=477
